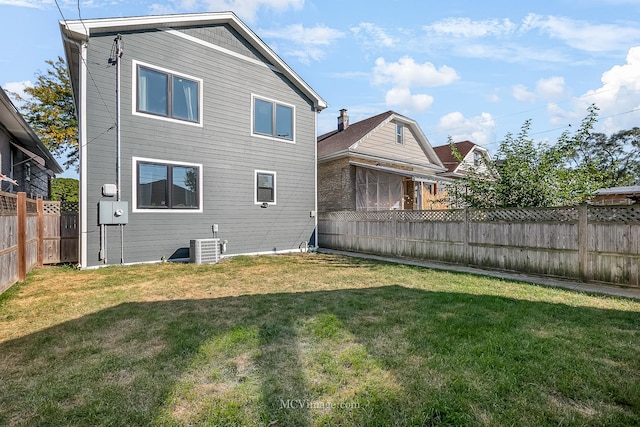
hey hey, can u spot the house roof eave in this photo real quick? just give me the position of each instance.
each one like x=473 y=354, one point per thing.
x=24 y=134
x=79 y=31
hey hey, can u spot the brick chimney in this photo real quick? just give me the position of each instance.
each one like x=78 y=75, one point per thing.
x=343 y=120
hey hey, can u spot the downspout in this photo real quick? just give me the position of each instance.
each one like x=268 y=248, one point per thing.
x=82 y=138
x=118 y=41
x=315 y=180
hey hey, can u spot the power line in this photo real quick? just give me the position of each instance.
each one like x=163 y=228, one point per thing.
x=84 y=59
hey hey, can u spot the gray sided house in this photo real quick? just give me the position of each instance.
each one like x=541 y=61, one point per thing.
x=215 y=129
x=25 y=163
x=384 y=162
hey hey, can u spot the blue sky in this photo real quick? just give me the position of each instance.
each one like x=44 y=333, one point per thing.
x=465 y=69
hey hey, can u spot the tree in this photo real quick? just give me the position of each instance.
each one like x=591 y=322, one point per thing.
x=64 y=189
x=50 y=111
x=525 y=173
x=616 y=158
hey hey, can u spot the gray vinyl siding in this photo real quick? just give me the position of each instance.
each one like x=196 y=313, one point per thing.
x=223 y=145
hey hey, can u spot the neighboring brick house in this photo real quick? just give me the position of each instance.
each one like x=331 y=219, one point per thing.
x=25 y=163
x=381 y=163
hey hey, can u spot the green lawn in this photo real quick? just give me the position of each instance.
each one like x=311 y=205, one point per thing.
x=307 y=340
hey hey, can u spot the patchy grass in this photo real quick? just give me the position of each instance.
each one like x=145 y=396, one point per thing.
x=311 y=340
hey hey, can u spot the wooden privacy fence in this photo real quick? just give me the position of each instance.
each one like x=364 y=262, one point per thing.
x=588 y=243
x=33 y=233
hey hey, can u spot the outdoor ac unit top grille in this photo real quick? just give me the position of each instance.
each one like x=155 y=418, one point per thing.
x=204 y=251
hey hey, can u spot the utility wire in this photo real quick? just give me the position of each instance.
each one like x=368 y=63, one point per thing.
x=87 y=67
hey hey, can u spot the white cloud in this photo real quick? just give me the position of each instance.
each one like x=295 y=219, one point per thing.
x=307 y=55
x=406 y=73
x=521 y=93
x=309 y=39
x=551 y=88
x=27 y=3
x=583 y=35
x=560 y=117
x=245 y=9
x=548 y=89
x=618 y=98
x=318 y=35
x=18 y=88
x=64 y=4
x=478 y=129
x=372 y=35
x=467 y=28
x=403 y=98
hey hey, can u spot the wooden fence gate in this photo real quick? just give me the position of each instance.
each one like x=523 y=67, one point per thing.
x=60 y=232
x=33 y=233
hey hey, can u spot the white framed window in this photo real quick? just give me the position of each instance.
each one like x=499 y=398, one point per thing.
x=399 y=133
x=272 y=119
x=166 y=186
x=166 y=95
x=264 y=187
x=476 y=158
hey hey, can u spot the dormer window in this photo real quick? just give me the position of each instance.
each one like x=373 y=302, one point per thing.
x=399 y=133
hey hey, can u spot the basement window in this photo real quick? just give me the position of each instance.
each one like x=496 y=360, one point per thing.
x=265 y=187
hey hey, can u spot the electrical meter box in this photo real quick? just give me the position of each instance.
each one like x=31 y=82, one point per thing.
x=113 y=212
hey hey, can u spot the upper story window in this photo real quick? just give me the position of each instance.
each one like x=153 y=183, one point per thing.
x=162 y=185
x=399 y=133
x=167 y=95
x=476 y=158
x=273 y=119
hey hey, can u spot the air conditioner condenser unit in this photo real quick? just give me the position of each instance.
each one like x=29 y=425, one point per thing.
x=204 y=251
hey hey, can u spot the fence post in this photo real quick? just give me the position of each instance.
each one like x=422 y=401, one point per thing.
x=583 y=242
x=40 y=204
x=465 y=239
x=394 y=222
x=22 y=236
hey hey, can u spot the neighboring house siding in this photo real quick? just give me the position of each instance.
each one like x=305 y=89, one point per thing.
x=5 y=159
x=223 y=145
x=382 y=143
x=336 y=185
x=31 y=179
x=468 y=163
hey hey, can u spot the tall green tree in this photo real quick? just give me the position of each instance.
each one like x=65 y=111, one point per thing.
x=616 y=157
x=50 y=111
x=526 y=173
x=64 y=189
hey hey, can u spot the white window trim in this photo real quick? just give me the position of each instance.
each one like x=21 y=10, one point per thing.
x=134 y=94
x=401 y=133
x=273 y=138
x=134 y=185
x=255 y=187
